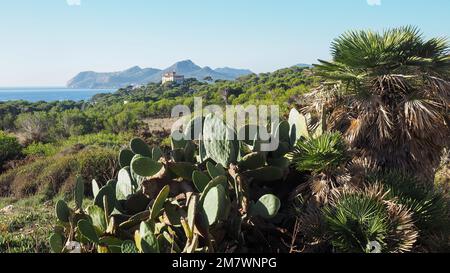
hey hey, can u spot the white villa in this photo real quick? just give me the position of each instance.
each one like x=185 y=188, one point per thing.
x=172 y=77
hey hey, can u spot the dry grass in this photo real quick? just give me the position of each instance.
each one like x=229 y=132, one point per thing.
x=161 y=124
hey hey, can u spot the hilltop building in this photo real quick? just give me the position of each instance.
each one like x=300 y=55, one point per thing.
x=172 y=77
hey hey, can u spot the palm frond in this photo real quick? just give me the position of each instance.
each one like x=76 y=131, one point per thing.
x=322 y=154
x=356 y=218
x=388 y=93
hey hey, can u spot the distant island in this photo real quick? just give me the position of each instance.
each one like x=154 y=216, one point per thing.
x=137 y=76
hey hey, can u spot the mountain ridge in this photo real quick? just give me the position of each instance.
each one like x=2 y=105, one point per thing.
x=139 y=76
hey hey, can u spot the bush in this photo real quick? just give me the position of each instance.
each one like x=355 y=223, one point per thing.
x=54 y=174
x=9 y=147
x=101 y=139
x=40 y=149
x=322 y=154
x=358 y=220
x=35 y=125
x=429 y=207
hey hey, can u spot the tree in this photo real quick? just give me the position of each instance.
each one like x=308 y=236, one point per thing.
x=34 y=125
x=208 y=79
x=9 y=147
x=75 y=123
x=389 y=93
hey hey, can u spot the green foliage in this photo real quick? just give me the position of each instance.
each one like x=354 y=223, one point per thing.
x=125 y=157
x=129 y=247
x=79 y=192
x=41 y=149
x=147 y=241
x=184 y=170
x=322 y=154
x=125 y=185
x=87 y=230
x=56 y=243
x=265 y=174
x=99 y=140
x=267 y=206
x=252 y=161
x=200 y=180
x=429 y=207
x=145 y=166
x=57 y=173
x=138 y=146
x=220 y=141
x=26 y=229
x=358 y=219
x=215 y=171
x=159 y=203
x=98 y=218
x=216 y=204
x=355 y=221
x=62 y=211
x=9 y=147
x=107 y=192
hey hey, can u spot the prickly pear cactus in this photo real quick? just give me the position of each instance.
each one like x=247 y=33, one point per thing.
x=63 y=211
x=125 y=157
x=267 y=207
x=138 y=146
x=301 y=124
x=265 y=174
x=216 y=204
x=79 y=192
x=196 y=199
x=200 y=180
x=220 y=141
x=253 y=161
x=145 y=166
x=125 y=185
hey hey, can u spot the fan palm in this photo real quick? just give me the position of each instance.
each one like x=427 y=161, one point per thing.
x=325 y=157
x=356 y=219
x=389 y=94
x=428 y=206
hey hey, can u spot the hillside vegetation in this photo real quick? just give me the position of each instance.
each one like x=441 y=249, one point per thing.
x=361 y=166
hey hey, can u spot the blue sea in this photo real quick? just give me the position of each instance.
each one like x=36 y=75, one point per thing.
x=49 y=94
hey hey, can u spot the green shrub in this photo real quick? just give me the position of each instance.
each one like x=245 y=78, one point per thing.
x=100 y=164
x=9 y=147
x=100 y=139
x=359 y=219
x=322 y=154
x=40 y=149
x=428 y=206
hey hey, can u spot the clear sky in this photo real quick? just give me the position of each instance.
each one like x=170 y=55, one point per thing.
x=46 y=42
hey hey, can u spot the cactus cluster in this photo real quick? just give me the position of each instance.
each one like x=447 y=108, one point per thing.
x=202 y=196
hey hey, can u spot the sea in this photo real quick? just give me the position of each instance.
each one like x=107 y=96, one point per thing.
x=49 y=94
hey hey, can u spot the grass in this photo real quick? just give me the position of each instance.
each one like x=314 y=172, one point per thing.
x=28 y=227
x=106 y=140
x=34 y=187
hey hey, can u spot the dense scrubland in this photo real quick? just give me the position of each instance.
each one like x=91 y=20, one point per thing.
x=362 y=167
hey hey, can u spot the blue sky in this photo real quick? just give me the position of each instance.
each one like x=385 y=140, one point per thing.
x=46 y=42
